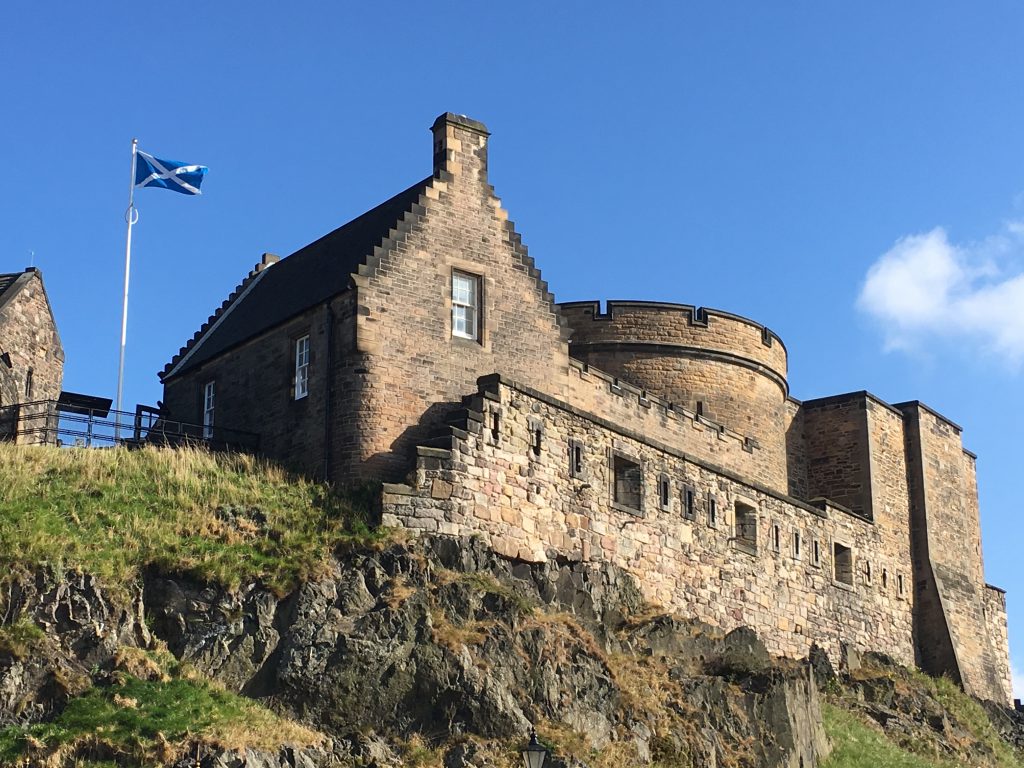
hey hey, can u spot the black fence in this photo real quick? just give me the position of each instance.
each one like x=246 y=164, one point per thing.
x=52 y=422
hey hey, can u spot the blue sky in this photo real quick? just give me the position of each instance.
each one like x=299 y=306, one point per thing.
x=849 y=174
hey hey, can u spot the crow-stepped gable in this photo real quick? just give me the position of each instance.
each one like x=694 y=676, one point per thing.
x=418 y=346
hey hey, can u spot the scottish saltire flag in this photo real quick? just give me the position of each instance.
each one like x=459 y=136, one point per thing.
x=168 y=174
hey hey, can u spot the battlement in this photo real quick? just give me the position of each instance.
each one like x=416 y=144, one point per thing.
x=678 y=329
x=588 y=383
x=724 y=368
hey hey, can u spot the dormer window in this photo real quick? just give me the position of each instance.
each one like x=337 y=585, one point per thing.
x=465 y=306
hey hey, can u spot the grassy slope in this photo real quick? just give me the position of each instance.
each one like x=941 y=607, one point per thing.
x=113 y=512
x=860 y=743
x=150 y=720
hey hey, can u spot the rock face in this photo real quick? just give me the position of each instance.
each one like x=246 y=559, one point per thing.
x=444 y=646
x=448 y=640
x=82 y=628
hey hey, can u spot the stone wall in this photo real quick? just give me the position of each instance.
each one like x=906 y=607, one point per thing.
x=836 y=442
x=727 y=368
x=28 y=334
x=416 y=371
x=508 y=476
x=255 y=387
x=619 y=402
x=947 y=557
x=994 y=600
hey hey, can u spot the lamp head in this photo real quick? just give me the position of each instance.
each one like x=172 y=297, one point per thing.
x=534 y=755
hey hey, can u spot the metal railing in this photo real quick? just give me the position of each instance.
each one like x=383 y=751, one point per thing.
x=49 y=422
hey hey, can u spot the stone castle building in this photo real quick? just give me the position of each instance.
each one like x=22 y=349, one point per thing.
x=31 y=354
x=418 y=345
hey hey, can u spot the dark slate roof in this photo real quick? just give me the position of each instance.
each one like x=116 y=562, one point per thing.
x=310 y=276
x=6 y=281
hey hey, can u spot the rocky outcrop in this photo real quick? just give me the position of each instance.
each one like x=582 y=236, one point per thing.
x=442 y=647
x=448 y=640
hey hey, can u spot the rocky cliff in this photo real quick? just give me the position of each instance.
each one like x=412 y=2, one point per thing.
x=427 y=652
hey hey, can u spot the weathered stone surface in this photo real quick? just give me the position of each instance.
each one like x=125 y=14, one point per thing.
x=36 y=371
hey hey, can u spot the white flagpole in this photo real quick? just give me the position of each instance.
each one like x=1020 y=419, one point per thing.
x=131 y=216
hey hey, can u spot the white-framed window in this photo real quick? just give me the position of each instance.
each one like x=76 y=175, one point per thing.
x=465 y=305
x=301 y=367
x=209 y=398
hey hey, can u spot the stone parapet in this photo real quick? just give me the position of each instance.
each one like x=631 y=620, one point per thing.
x=538 y=478
x=718 y=365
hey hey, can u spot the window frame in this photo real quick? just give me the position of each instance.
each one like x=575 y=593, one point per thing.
x=576 y=464
x=712 y=510
x=473 y=305
x=209 y=403
x=844 y=565
x=689 y=502
x=617 y=503
x=301 y=369
x=664 y=492
x=745 y=525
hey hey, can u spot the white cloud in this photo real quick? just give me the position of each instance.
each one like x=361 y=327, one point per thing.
x=926 y=289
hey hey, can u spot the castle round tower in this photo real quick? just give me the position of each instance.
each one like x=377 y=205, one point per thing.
x=726 y=368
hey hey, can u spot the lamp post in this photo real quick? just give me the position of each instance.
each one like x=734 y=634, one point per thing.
x=534 y=754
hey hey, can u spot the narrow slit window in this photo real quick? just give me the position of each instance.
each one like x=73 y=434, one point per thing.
x=301 y=367
x=712 y=511
x=575 y=459
x=776 y=538
x=689 y=502
x=796 y=544
x=885 y=578
x=535 y=442
x=664 y=492
x=816 y=553
x=465 y=306
x=495 y=426
x=209 y=401
x=867 y=571
x=899 y=584
x=29 y=375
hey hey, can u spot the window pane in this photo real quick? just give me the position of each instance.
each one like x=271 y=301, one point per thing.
x=459 y=321
x=463 y=289
x=465 y=298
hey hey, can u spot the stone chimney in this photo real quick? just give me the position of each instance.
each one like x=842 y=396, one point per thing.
x=460 y=147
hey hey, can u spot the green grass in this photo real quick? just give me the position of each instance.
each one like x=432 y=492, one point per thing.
x=969 y=713
x=113 y=512
x=856 y=745
x=151 y=721
x=19 y=638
